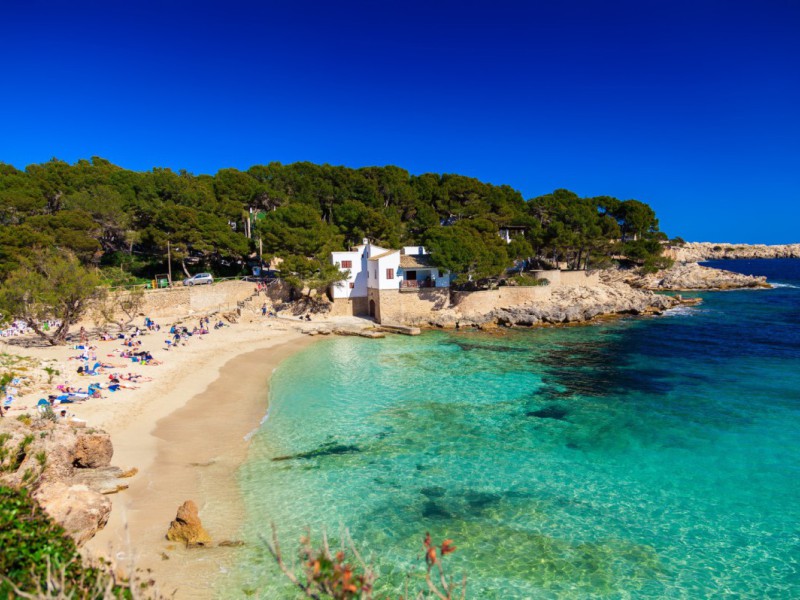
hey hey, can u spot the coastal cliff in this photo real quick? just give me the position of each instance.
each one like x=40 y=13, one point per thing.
x=699 y=251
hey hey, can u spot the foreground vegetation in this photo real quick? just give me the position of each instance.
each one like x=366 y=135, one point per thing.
x=39 y=560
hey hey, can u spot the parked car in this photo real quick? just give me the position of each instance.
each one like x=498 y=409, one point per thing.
x=199 y=279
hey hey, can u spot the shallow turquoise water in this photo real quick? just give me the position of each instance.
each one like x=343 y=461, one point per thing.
x=645 y=458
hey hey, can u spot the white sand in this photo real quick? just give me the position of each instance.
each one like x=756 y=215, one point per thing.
x=185 y=432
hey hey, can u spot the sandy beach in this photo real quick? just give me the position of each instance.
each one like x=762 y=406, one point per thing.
x=185 y=431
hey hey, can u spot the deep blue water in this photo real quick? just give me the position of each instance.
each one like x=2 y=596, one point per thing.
x=643 y=458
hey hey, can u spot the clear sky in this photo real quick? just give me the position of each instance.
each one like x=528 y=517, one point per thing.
x=691 y=106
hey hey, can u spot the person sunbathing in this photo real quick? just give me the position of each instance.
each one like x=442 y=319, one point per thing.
x=116 y=384
x=136 y=377
x=87 y=372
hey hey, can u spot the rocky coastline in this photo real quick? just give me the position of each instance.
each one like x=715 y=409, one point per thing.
x=567 y=306
x=620 y=292
x=685 y=277
x=67 y=471
x=700 y=251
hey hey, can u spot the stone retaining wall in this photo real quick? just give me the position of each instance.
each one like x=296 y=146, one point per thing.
x=569 y=278
x=408 y=307
x=184 y=300
x=485 y=301
x=349 y=307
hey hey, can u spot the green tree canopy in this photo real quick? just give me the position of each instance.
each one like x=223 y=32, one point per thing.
x=50 y=285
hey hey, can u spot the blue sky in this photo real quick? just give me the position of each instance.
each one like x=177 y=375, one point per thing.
x=693 y=107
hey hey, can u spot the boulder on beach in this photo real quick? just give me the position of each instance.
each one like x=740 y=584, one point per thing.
x=187 y=527
x=92 y=451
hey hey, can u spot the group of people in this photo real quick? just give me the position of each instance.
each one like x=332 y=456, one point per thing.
x=19 y=327
x=114 y=379
x=112 y=376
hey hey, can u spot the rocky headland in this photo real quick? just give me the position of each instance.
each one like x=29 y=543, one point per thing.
x=569 y=305
x=685 y=277
x=620 y=292
x=67 y=471
x=700 y=251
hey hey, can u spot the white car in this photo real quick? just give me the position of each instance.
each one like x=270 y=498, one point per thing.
x=199 y=279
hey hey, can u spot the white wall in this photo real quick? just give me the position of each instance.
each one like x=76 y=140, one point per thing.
x=359 y=274
x=371 y=274
x=391 y=261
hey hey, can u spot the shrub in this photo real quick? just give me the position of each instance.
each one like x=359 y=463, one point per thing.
x=39 y=560
x=344 y=575
x=653 y=264
x=34 y=547
x=527 y=280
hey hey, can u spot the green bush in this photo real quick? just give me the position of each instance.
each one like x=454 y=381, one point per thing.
x=653 y=264
x=29 y=538
x=527 y=280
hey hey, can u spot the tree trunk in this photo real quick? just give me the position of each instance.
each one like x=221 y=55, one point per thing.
x=35 y=326
x=185 y=270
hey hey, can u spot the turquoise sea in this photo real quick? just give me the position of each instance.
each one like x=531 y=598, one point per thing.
x=642 y=458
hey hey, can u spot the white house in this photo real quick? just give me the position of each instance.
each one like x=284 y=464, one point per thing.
x=509 y=232
x=375 y=276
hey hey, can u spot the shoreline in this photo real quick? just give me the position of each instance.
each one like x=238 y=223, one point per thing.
x=191 y=450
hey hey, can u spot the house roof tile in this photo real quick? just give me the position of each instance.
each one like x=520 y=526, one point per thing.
x=416 y=261
x=376 y=257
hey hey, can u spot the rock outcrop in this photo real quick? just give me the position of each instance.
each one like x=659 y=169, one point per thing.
x=685 y=277
x=581 y=304
x=699 y=251
x=92 y=451
x=67 y=471
x=187 y=527
x=567 y=305
x=80 y=510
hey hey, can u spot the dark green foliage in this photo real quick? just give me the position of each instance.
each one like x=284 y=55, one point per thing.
x=29 y=538
x=111 y=217
x=525 y=280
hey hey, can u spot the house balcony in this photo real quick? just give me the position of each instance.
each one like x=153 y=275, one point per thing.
x=410 y=285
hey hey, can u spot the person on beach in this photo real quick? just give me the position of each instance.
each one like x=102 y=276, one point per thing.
x=264 y=309
x=83 y=336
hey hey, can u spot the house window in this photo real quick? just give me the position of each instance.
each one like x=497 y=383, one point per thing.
x=347 y=264
x=389 y=273
x=352 y=285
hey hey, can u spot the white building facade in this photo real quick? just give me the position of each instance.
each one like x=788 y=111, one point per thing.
x=375 y=275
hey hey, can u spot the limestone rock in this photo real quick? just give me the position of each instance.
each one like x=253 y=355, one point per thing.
x=187 y=527
x=81 y=511
x=92 y=450
x=699 y=251
x=687 y=277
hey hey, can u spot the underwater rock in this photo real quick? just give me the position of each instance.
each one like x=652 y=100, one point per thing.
x=329 y=449
x=433 y=492
x=432 y=510
x=549 y=412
